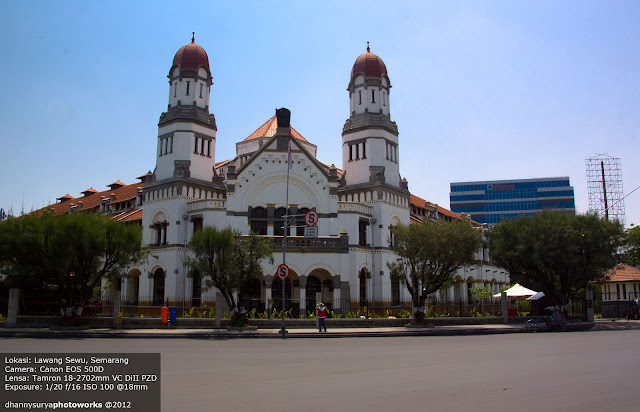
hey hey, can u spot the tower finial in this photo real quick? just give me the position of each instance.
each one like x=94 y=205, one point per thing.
x=368 y=50
x=193 y=38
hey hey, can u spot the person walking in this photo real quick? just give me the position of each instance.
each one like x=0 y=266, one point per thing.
x=321 y=314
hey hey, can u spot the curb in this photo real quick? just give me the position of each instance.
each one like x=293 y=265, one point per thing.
x=269 y=333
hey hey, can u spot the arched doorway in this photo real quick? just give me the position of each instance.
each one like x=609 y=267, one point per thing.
x=363 y=275
x=158 y=287
x=196 y=289
x=314 y=292
x=252 y=296
x=276 y=293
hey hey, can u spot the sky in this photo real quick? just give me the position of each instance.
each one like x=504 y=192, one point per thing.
x=481 y=90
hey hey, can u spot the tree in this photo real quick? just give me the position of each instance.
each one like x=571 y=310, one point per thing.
x=559 y=253
x=632 y=246
x=429 y=255
x=481 y=293
x=229 y=262
x=71 y=253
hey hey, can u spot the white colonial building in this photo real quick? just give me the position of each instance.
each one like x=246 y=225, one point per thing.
x=357 y=205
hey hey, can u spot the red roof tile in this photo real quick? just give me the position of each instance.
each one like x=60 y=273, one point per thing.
x=115 y=184
x=92 y=201
x=622 y=273
x=268 y=129
x=420 y=202
x=128 y=216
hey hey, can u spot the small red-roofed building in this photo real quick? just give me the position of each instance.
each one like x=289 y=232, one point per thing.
x=620 y=288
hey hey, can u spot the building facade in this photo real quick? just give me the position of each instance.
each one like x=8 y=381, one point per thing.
x=491 y=202
x=275 y=173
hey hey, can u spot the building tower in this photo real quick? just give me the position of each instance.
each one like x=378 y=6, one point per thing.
x=187 y=131
x=370 y=160
x=604 y=182
x=369 y=137
x=184 y=175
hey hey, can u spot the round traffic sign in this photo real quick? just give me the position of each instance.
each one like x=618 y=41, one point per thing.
x=283 y=271
x=311 y=218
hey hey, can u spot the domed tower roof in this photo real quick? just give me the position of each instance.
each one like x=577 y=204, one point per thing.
x=369 y=64
x=191 y=56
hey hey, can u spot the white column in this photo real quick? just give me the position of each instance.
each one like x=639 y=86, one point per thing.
x=463 y=290
x=268 y=282
x=303 y=295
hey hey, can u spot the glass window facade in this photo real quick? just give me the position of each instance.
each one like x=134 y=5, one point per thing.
x=493 y=201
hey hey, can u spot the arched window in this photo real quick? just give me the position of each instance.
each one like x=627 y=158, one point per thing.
x=158 y=287
x=259 y=220
x=300 y=221
x=278 y=221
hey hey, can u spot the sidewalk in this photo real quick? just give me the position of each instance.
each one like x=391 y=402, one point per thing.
x=186 y=333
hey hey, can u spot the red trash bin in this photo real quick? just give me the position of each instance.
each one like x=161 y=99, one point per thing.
x=164 y=315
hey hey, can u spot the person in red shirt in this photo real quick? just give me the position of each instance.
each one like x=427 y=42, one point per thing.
x=321 y=314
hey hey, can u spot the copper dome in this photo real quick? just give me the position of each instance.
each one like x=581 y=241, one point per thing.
x=370 y=65
x=191 y=56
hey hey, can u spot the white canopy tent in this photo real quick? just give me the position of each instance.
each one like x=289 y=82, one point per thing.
x=517 y=291
x=537 y=296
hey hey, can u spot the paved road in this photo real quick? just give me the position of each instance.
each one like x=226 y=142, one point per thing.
x=582 y=371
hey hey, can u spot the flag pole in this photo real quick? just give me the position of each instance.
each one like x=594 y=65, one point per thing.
x=286 y=230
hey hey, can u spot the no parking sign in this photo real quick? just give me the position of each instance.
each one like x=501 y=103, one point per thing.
x=283 y=272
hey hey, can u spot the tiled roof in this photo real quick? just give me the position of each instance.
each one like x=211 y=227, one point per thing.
x=420 y=202
x=129 y=216
x=621 y=273
x=268 y=129
x=92 y=199
x=116 y=183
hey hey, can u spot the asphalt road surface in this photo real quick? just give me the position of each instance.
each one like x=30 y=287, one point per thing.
x=580 y=371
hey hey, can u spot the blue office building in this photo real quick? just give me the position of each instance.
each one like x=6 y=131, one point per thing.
x=493 y=201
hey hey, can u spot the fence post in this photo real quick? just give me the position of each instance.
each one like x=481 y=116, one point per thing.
x=219 y=305
x=117 y=321
x=589 y=311
x=12 y=314
x=505 y=308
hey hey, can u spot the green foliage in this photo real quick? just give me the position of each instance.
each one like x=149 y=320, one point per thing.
x=632 y=246
x=480 y=292
x=336 y=315
x=430 y=254
x=523 y=305
x=353 y=315
x=189 y=314
x=558 y=253
x=70 y=252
